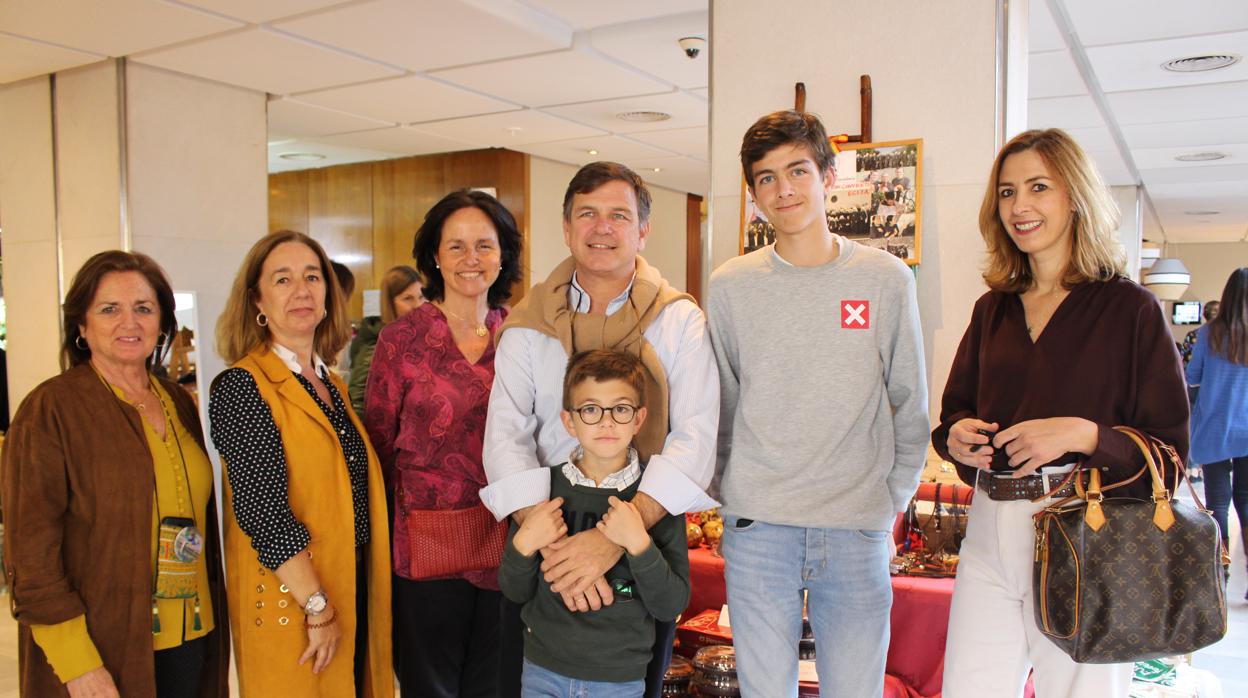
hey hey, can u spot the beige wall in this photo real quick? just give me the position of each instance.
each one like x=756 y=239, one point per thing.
x=28 y=216
x=939 y=85
x=1211 y=265
x=548 y=180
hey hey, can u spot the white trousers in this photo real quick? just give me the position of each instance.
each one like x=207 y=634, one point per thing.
x=993 y=639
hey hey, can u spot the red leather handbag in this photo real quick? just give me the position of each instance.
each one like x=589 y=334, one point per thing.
x=452 y=541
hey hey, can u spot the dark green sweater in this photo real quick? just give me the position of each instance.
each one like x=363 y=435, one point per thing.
x=613 y=644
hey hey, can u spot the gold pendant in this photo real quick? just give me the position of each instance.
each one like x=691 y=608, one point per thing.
x=482 y=331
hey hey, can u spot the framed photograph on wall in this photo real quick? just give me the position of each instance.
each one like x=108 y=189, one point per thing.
x=877 y=200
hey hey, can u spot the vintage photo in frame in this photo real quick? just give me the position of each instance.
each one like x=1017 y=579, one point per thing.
x=877 y=200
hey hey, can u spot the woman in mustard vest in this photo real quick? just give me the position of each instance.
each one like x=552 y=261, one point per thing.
x=306 y=545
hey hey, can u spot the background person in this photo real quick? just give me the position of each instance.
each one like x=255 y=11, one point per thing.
x=400 y=295
x=1219 y=367
x=1209 y=312
x=305 y=532
x=96 y=459
x=426 y=404
x=1062 y=348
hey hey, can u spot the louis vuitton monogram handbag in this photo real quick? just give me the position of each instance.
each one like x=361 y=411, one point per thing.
x=1118 y=579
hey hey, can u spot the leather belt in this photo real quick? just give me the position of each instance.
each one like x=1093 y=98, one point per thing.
x=1005 y=489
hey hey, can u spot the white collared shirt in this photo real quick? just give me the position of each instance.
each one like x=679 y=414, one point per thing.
x=619 y=481
x=523 y=430
x=291 y=359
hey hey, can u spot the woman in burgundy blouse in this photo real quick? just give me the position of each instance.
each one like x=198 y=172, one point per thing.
x=1061 y=349
x=425 y=412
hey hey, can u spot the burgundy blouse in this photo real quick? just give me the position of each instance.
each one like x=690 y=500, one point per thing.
x=425 y=412
x=1105 y=355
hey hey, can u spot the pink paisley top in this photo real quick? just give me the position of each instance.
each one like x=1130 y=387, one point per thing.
x=425 y=412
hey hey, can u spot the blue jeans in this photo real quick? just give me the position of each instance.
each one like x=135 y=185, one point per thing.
x=537 y=682
x=1226 y=482
x=850 y=599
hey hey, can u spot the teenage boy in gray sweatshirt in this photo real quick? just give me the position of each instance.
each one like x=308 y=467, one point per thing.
x=823 y=424
x=604 y=653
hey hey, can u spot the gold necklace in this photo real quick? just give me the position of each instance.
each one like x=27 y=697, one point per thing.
x=480 y=328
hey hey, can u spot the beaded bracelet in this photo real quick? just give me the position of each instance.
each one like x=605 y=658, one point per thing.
x=314 y=626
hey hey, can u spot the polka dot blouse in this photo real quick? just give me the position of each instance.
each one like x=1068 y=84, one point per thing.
x=249 y=442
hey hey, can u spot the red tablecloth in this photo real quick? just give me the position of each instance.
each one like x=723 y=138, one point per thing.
x=920 y=620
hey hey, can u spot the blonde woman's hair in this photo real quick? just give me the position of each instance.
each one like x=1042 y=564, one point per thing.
x=1095 y=254
x=238 y=331
x=393 y=283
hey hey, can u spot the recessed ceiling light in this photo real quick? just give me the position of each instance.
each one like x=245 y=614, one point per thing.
x=658 y=169
x=1201 y=157
x=1200 y=64
x=591 y=151
x=643 y=116
x=302 y=157
x=1201 y=213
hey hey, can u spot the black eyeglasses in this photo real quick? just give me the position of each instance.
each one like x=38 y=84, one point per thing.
x=622 y=413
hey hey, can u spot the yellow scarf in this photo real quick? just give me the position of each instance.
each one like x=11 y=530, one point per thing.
x=545 y=309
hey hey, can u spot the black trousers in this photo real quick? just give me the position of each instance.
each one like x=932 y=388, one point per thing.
x=511 y=653
x=180 y=669
x=446 y=639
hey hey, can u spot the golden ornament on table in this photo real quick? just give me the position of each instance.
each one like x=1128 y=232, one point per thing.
x=693 y=532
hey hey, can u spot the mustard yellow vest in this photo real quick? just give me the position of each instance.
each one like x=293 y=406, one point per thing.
x=268 y=625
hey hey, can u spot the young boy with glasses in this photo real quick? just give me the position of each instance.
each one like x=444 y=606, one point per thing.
x=603 y=653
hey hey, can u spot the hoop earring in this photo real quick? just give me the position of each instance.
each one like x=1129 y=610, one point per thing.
x=262 y=320
x=80 y=343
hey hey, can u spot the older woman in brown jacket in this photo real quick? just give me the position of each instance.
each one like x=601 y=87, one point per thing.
x=108 y=497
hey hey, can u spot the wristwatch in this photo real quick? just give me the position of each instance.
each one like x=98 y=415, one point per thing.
x=316 y=605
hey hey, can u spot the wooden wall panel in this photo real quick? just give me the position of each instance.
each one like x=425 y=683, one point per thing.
x=288 y=201
x=366 y=215
x=340 y=217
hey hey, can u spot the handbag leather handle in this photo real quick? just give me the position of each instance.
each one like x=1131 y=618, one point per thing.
x=1163 y=515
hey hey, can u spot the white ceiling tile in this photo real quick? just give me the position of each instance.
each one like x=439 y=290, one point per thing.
x=406 y=100
x=1114 y=21
x=685 y=109
x=1183 y=175
x=426 y=34
x=1063 y=112
x=333 y=155
x=587 y=15
x=1137 y=66
x=1164 y=158
x=401 y=140
x=257 y=12
x=1187 y=133
x=1042 y=33
x=554 y=78
x=613 y=148
x=1113 y=170
x=681 y=174
x=1093 y=138
x=293 y=119
x=22 y=58
x=510 y=129
x=268 y=61
x=1180 y=103
x=1053 y=74
x=653 y=47
x=114 y=28
x=1194 y=232
x=1234 y=191
x=686 y=141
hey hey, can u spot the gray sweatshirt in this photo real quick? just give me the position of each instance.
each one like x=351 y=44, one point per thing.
x=823 y=420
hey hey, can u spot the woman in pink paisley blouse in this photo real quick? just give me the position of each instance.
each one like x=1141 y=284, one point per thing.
x=425 y=412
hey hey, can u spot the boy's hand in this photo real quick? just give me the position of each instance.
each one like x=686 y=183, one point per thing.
x=623 y=526
x=544 y=525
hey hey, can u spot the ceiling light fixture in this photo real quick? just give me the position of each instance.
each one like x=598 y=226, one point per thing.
x=644 y=117
x=1167 y=278
x=1206 y=156
x=591 y=151
x=1200 y=64
x=658 y=169
x=302 y=157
